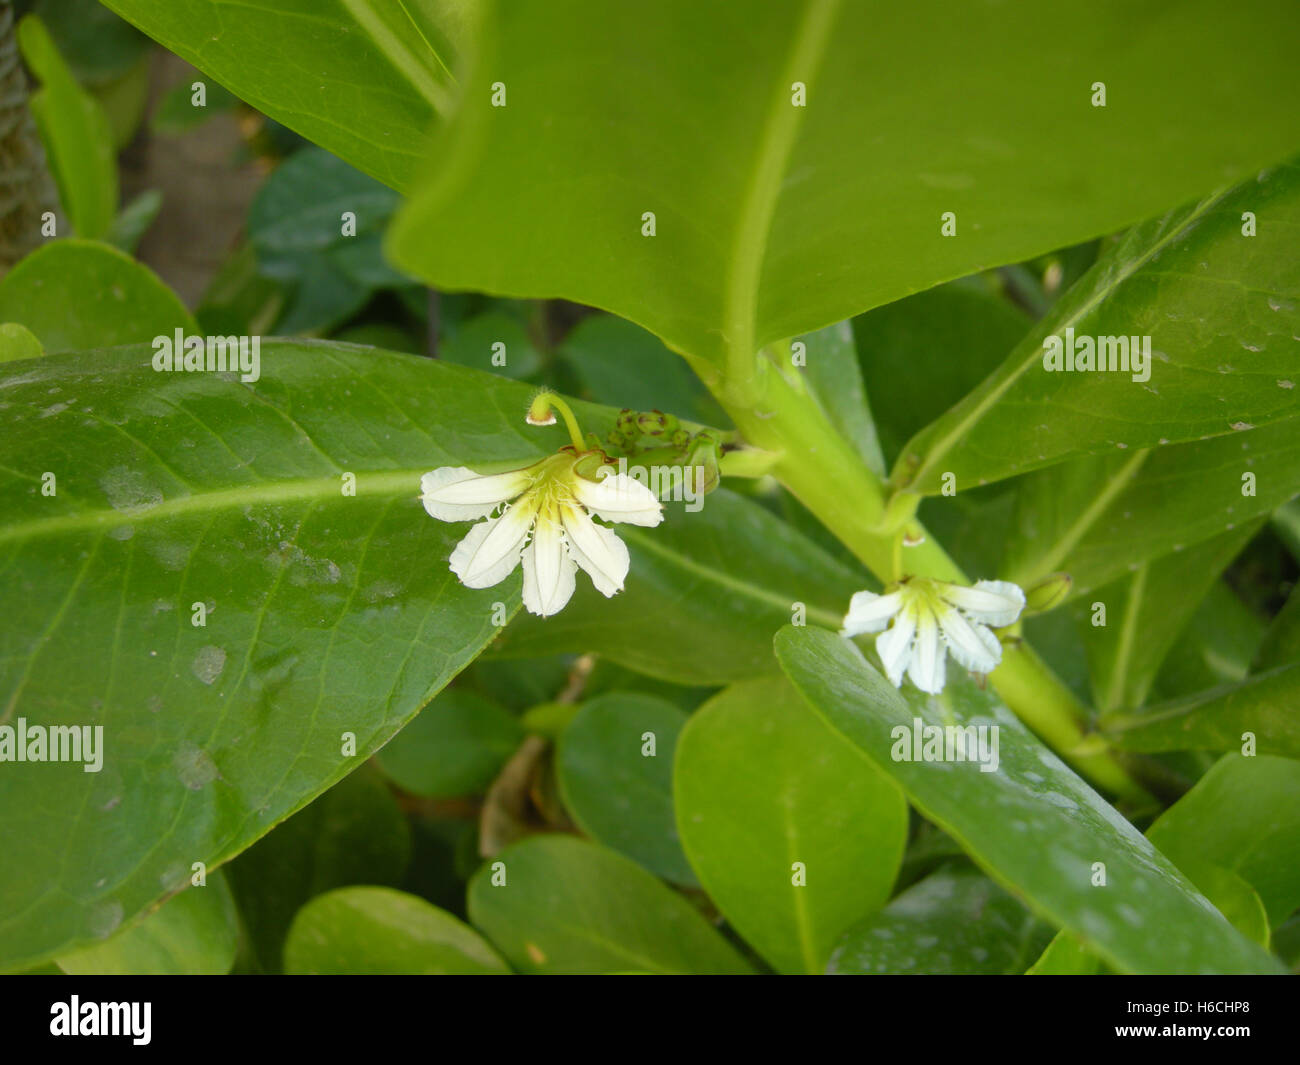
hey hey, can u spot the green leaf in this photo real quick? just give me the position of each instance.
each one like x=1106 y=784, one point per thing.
x=98 y=46
x=1066 y=956
x=1243 y=816
x=1236 y=835
x=794 y=835
x=520 y=683
x=831 y=370
x=616 y=792
x=77 y=135
x=194 y=933
x=353 y=834
x=1215 y=648
x=742 y=570
x=175 y=112
x=134 y=220
x=607 y=676
x=475 y=343
x=83 y=294
x=774 y=219
x=326 y=613
x=1221 y=311
x=1281 y=643
x=1230 y=894
x=566 y=906
x=1286 y=943
x=619 y=363
x=454 y=747
x=239 y=300
x=324 y=298
x=1100 y=517
x=298 y=211
x=1286 y=523
x=1217 y=720
x=374 y=931
x=1232 y=897
x=923 y=354
x=1033 y=825
x=954 y=921
x=1145 y=613
x=18 y=342
x=362 y=79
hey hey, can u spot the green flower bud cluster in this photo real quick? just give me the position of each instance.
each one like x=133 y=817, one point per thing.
x=653 y=438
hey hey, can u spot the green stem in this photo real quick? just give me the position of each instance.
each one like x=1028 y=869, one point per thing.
x=541 y=413
x=822 y=470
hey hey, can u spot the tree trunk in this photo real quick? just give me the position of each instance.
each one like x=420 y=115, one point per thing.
x=26 y=187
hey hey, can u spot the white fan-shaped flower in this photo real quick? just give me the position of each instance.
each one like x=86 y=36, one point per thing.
x=545 y=521
x=922 y=621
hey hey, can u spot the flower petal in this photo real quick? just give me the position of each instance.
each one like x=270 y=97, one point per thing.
x=995 y=603
x=619 y=497
x=548 y=569
x=894 y=646
x=929 y=655
x=597 y=550
x=970 y=643
x=869 y=612
x=490 y=552
x=455 y=493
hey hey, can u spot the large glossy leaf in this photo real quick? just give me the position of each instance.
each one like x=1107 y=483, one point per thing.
x=1102 y=517
x=363 y=78
x=374 y=931
x=77 y=136
x=615 y=769
x=1031 y=824
x=564 y=906
x=194 y=933
x=1219 y=719
x=1242 y=816
x=1236 y=835
x=955 y=921
x=776 y=214
x=1221 y=312
x=793 y=833
x=741 y=570
x=117 y=300
x=326 y=613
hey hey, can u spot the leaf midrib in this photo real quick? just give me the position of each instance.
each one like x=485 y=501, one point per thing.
x=301 y=490
x=399 y=55
x=780 y=128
